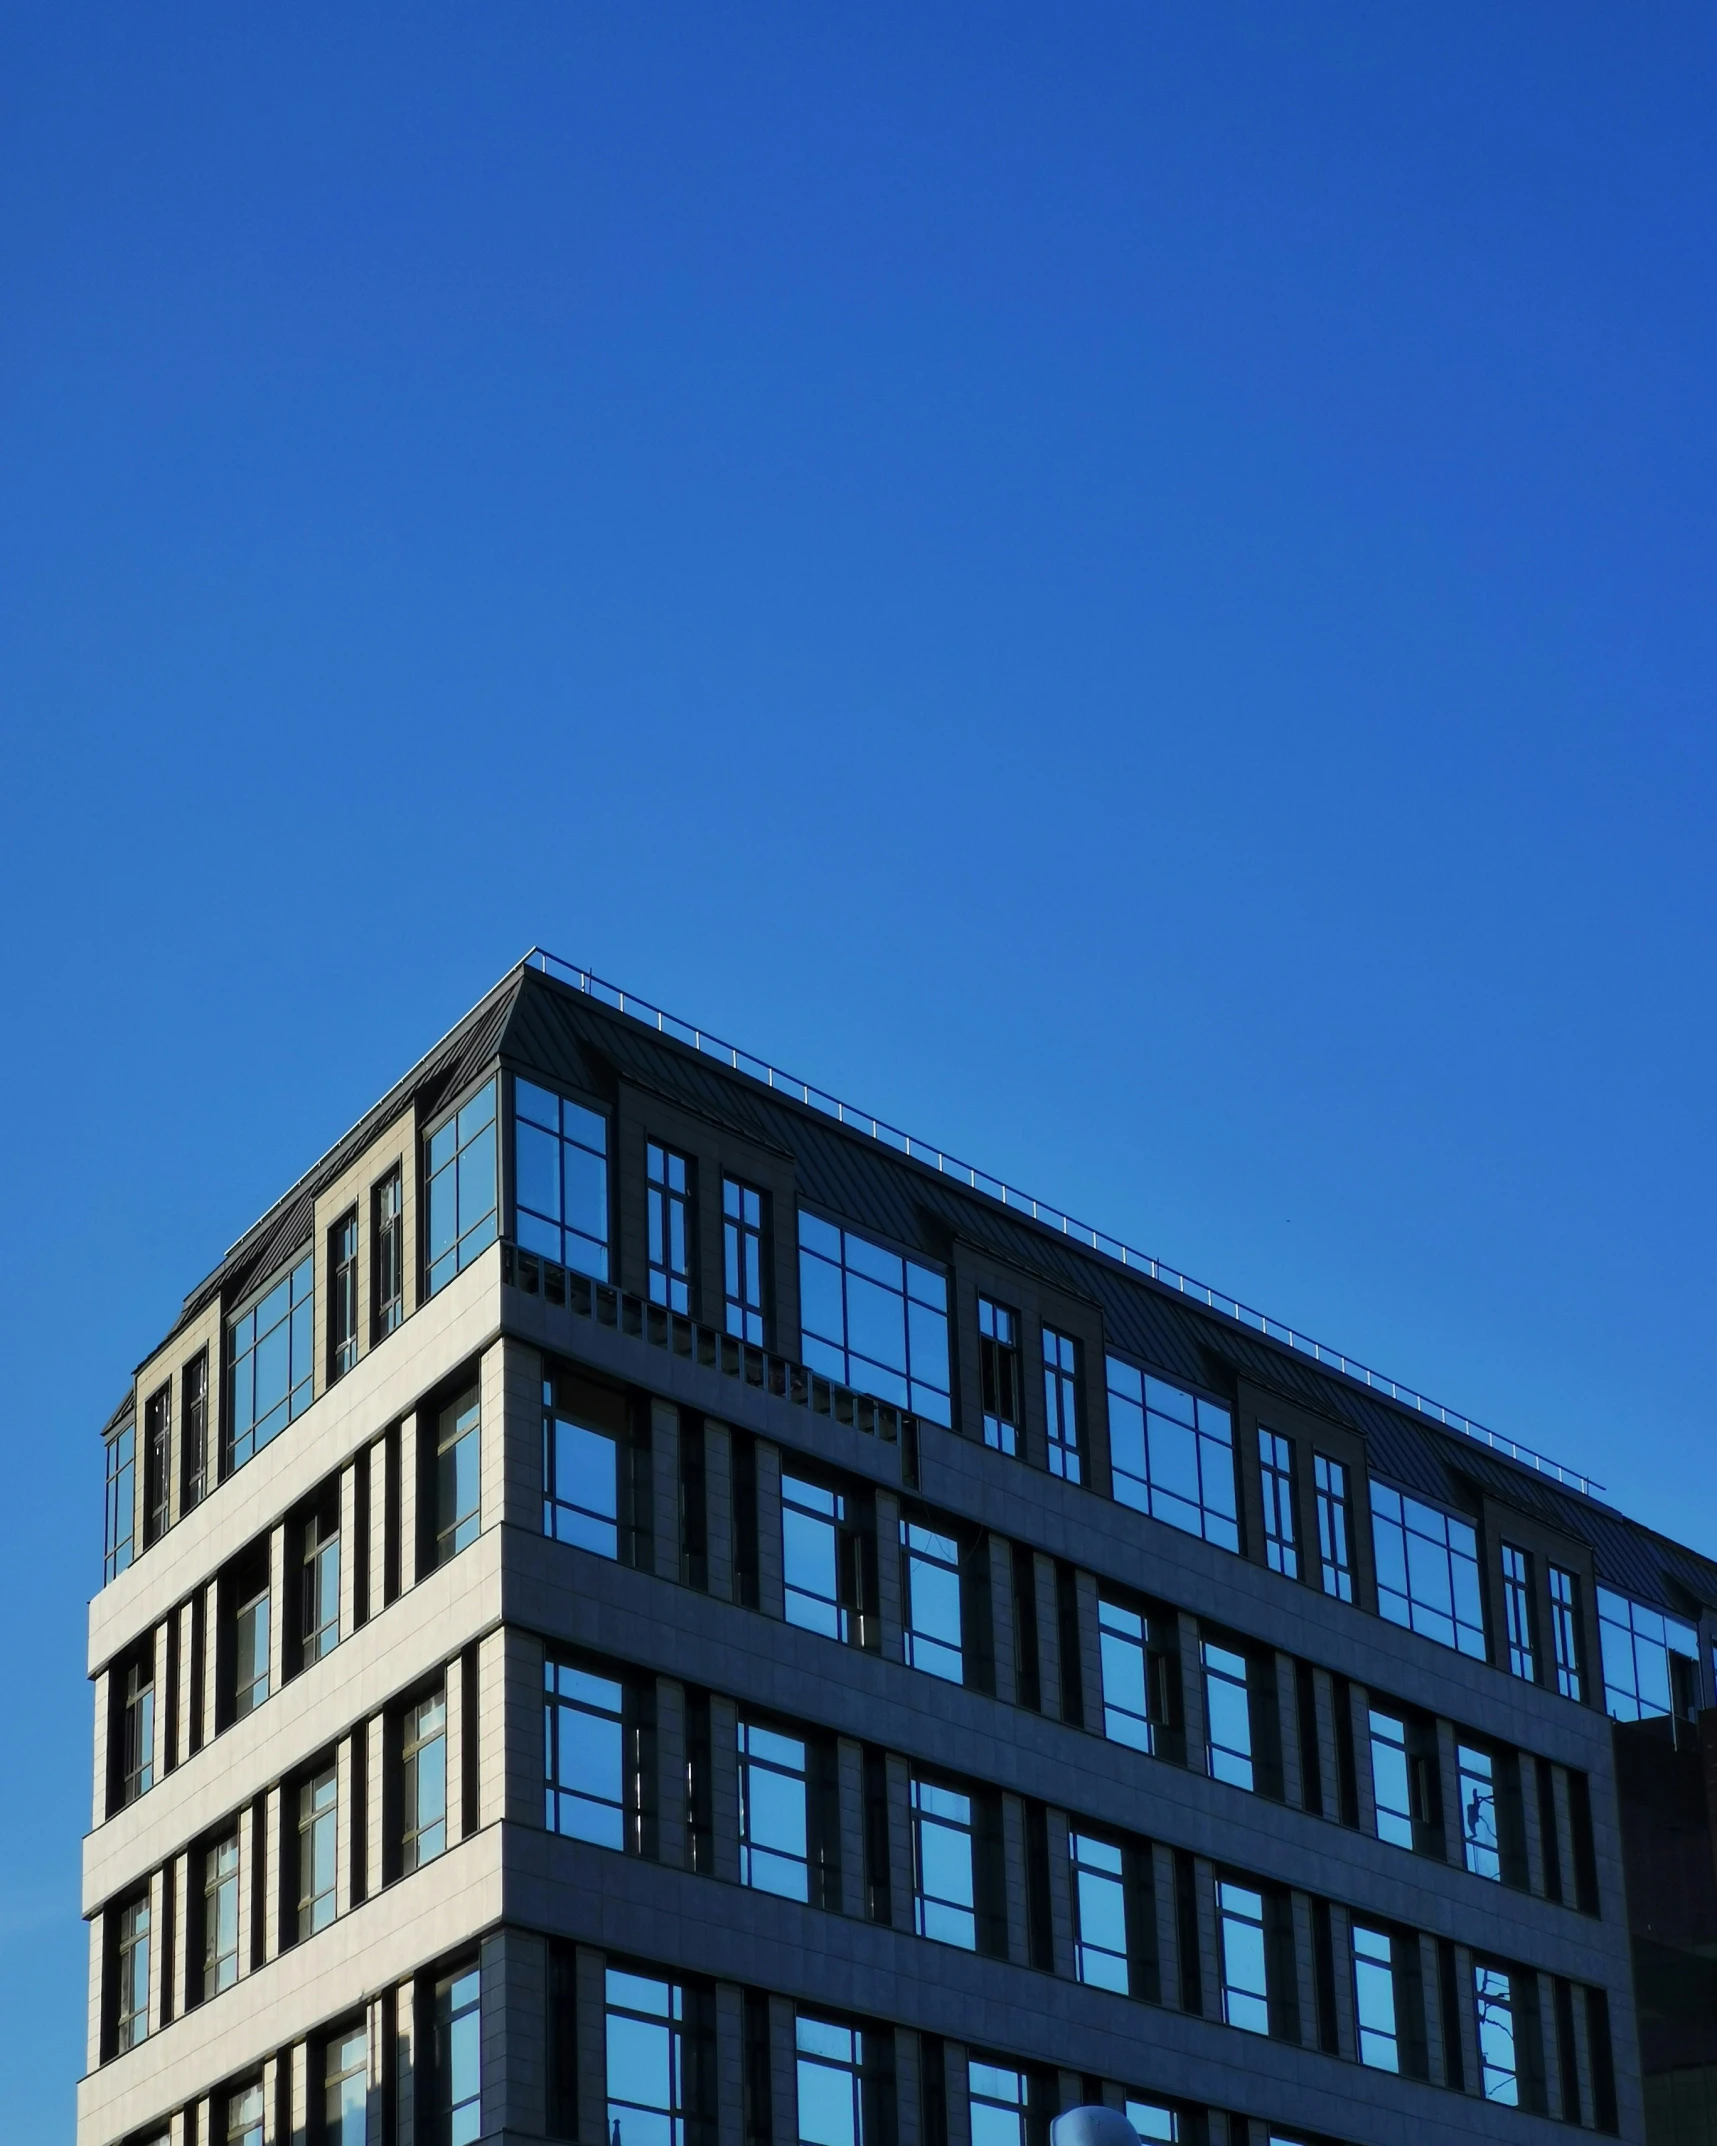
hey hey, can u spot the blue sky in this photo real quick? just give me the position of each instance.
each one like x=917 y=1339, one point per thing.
x=1128 y=587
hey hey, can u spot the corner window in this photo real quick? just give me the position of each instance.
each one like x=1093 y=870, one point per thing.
x=343 y=1296
x=830 y=2078
x=944 y=1899
x=930 y=1575
x=1061 y=1403
x=1276 y=1471
x=1171 y=1454
x=1335 y=1554
x=1494 y=2000
x=270 y=1363
x=120 y=1536
x=1427 y=1570
x=1518 y=1619
x=131 y=2024
x=220 y=1916
x=194 y=1430
x=458 y=1475
x=669 y=1197
x=387 y=1256
x=1227 y=1715
x=1481 y=1844
x=1565 y=1632
x=346 y=2089
x=1651 y=1660
x=423 y=1782
x=460 y=1188
x=745 y=1261
x=1374 y=1999
x=1245 y=1980
x=999 y=1375
x=457 y=2060
x=873 y=1320
x=1099 y=1913
x=560 y=1179
x=317 y=1829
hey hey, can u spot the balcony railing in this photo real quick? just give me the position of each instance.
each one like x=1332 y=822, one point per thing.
x=1041 y=1212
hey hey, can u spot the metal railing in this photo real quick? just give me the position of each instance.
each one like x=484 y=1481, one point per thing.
x=1040 y=1211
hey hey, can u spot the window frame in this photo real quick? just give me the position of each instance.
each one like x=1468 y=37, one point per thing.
x=1000 y=1375
x=1470 y=1635
x=119 y=1550
x=1098 y=1869
x=745 y=1257
x=1218 y=1525
x=134 y=1971
x=318 y=1837
x=926 y=1550
x=926 y=1793
x=221 y=1882
x=1277 y=1477
x=300 y=1381
x=1232 y=1672
x=1333 y=1502
x=667 y=1207
x=1234 y=1914
x=1375 y=1975
x=387 y=1254
x=1567 y=1630
x=417 y=1739
x=911 y=1389
x=754 y=1738
x=1063 y=1402
x=1516 y=1576
x=575 y=1247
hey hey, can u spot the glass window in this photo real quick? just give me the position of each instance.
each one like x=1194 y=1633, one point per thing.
x=387 y=1251
x=1227 y=1715
x=1154 y=2122
x=930 y=1570
x=244 y=2116
x=1641 y=1649
x=581 y=1474
x=461 y=1188
x=1427 y=1570
x=998 y=1366
x=121 y=1527
x=132 y=2024
x=423 y=1799
x=560 y=1181
x=250 y=1655
x=1099 y=1913
x=346 y=2089
x=270 y=1360
x=944 y=1903
x=1061 y=1403
x=774 y=1849
x=873 y=1320
x=220 y=1916
x=1517 y=1612
x=1171 y=1454
x=745 y=1267
x=1391 y=1779
x=585 y=1747
x=1481 y=1847
x=316 y=1852
x=1130 y=1714
x=459 y=2058
x=157 y=1463
x=319 y=1630
x=1565 y=1632
x=646 y=2061
x=458 y=1475
x=194 y=1429
x=668 y=1178
x=1493 y=1995
x=343 y=1295
x=830 y=2078
x=1281 y=1536
x=999 y=2100
x=1335 y=1555
x=1374 y=1999
x=1245 y=1984
x=813 y=1523
x=137 y=1730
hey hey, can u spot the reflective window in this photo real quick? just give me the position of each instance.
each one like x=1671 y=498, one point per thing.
x=1152 y=2121
x=1061 y=1403
x=1281 y=1536
x=813 y=1524
x=1493 y=1996
x=1245 y=1983
x=585 y=1746
x=998 y=1368
x=1374 y=1999
x=317 y=1821
x=423 y=1799
x=387 y=1255
x=774 y=1847
x=930 y=1571
x=560 y=1182
x=459 y=2058
x=132 y=2023
x=1565 y=1632
x=1130 y=1714
x=137 y=1730
x=1227 y=1715
x=944 y=1902
x=1641 y=1649
x=1480 y=1845
x=668 y=1181
x=250 y=1655
x=646 y=2061
x=1335 y=1550
x=1517 y=1612
x=745 y=1266
x=1171 y=1454
x=343 y=1295
x=1427 y=1570
x=220 y=1916
x=1099 y=1913
x=829 y=2062
x=873 y=1320
x=120 y=1538
x=462 y=1188
x=998 y=2098
x=346 y=2089
x=1397 y=1781
x=319 y=1582
x=581 y=1476
x=194 y=1429
x=270 y=1363
x=458 y=1475
x=157 y=1461
x=244 y=2116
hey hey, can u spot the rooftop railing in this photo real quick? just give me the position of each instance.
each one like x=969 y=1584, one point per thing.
x=1041 y=1212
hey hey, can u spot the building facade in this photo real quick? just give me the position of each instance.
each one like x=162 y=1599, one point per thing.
x=639 y=1611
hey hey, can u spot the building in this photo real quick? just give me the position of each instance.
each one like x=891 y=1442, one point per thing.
x=642 y=1607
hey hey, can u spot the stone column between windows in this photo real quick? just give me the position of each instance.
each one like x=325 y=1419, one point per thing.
x=514 y=1764
x=97 y=1992
x=665 y=1487
x=1048 y=1635
x=1436 y=2059
x=1549 y=2047
x=374 y=1733
x=718 y=1508
x=374 y=1457
x=1168 y=1924
x=771 y=1595
x=1466 y=2020
x=1014 y=1881
x=849 y=1764
x=408 y=2058
x=276 y=2100
x=352 y=1611
x=1341 y=1963
x=249 y=1848
x=1565 y=1833
x=1061 y=1907
x=1526 y=1775
x=590 y=2004
x=1583 y=2057
x=511 y=1382
x=1449 y=1790
x=413 y=1427
x=453 y=1684
x=729 y=2064
x=296 y=2088
x=187 y=1972
x=1209 y=1944
x=1288 y=1725
x=106 y=1684
x=783 y=2073
x=1090 y=1647
x=724 y=1787
x=1359 y=1706
x=190 y=1683
x=1305 y=1968
x=159 y=2007
x=899 y=1781
x=890 y=1606
x=279 y=1607
x=1000 y=1552
x=348 y=1823
x=1329 y=1762
x=909 y=2100
x=514 y=2029
x=955 y=2059
x=1192 y=1692
x=273 y=1891
x=1069 y=2089
x=671 y=1835
x=182 y=2127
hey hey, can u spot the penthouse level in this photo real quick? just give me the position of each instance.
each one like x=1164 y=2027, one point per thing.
x=630 y=1598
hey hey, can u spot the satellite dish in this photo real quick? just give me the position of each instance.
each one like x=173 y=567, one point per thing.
x=1092 y=2126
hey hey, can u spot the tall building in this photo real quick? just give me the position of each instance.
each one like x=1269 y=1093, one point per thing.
x=643 y=1607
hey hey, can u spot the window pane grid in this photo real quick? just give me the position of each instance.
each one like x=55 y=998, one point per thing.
x=1245 y=1982
x=1061 y=1403
x=462 y=1188
x=873 y=1320
x=998 y=1366
x=1281 y=1537
x=668 y=1197
x=774 y=1845
x=944 y=1902
x=1099 y=1912
x=813 y=1523
x=1481 y=1848
x=744 y=1267
x=560 y=1179
x=1493 y=1997
x=1335 y=1554
x=1565 y=1632
x=270 y=1372
x=424 y=1798
x=646 y=2060
x=585 y=1744
x=829 y=2066
x=931 y=1568
x=1228 y=1715
x=1129 y=1716
x=1517 y=1612
x=1172 y=1454
x=1641 y=1648
x=1427 y=1570
x=1374 y=1999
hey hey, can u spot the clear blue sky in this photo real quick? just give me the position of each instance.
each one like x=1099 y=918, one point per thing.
x=1130 y=587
